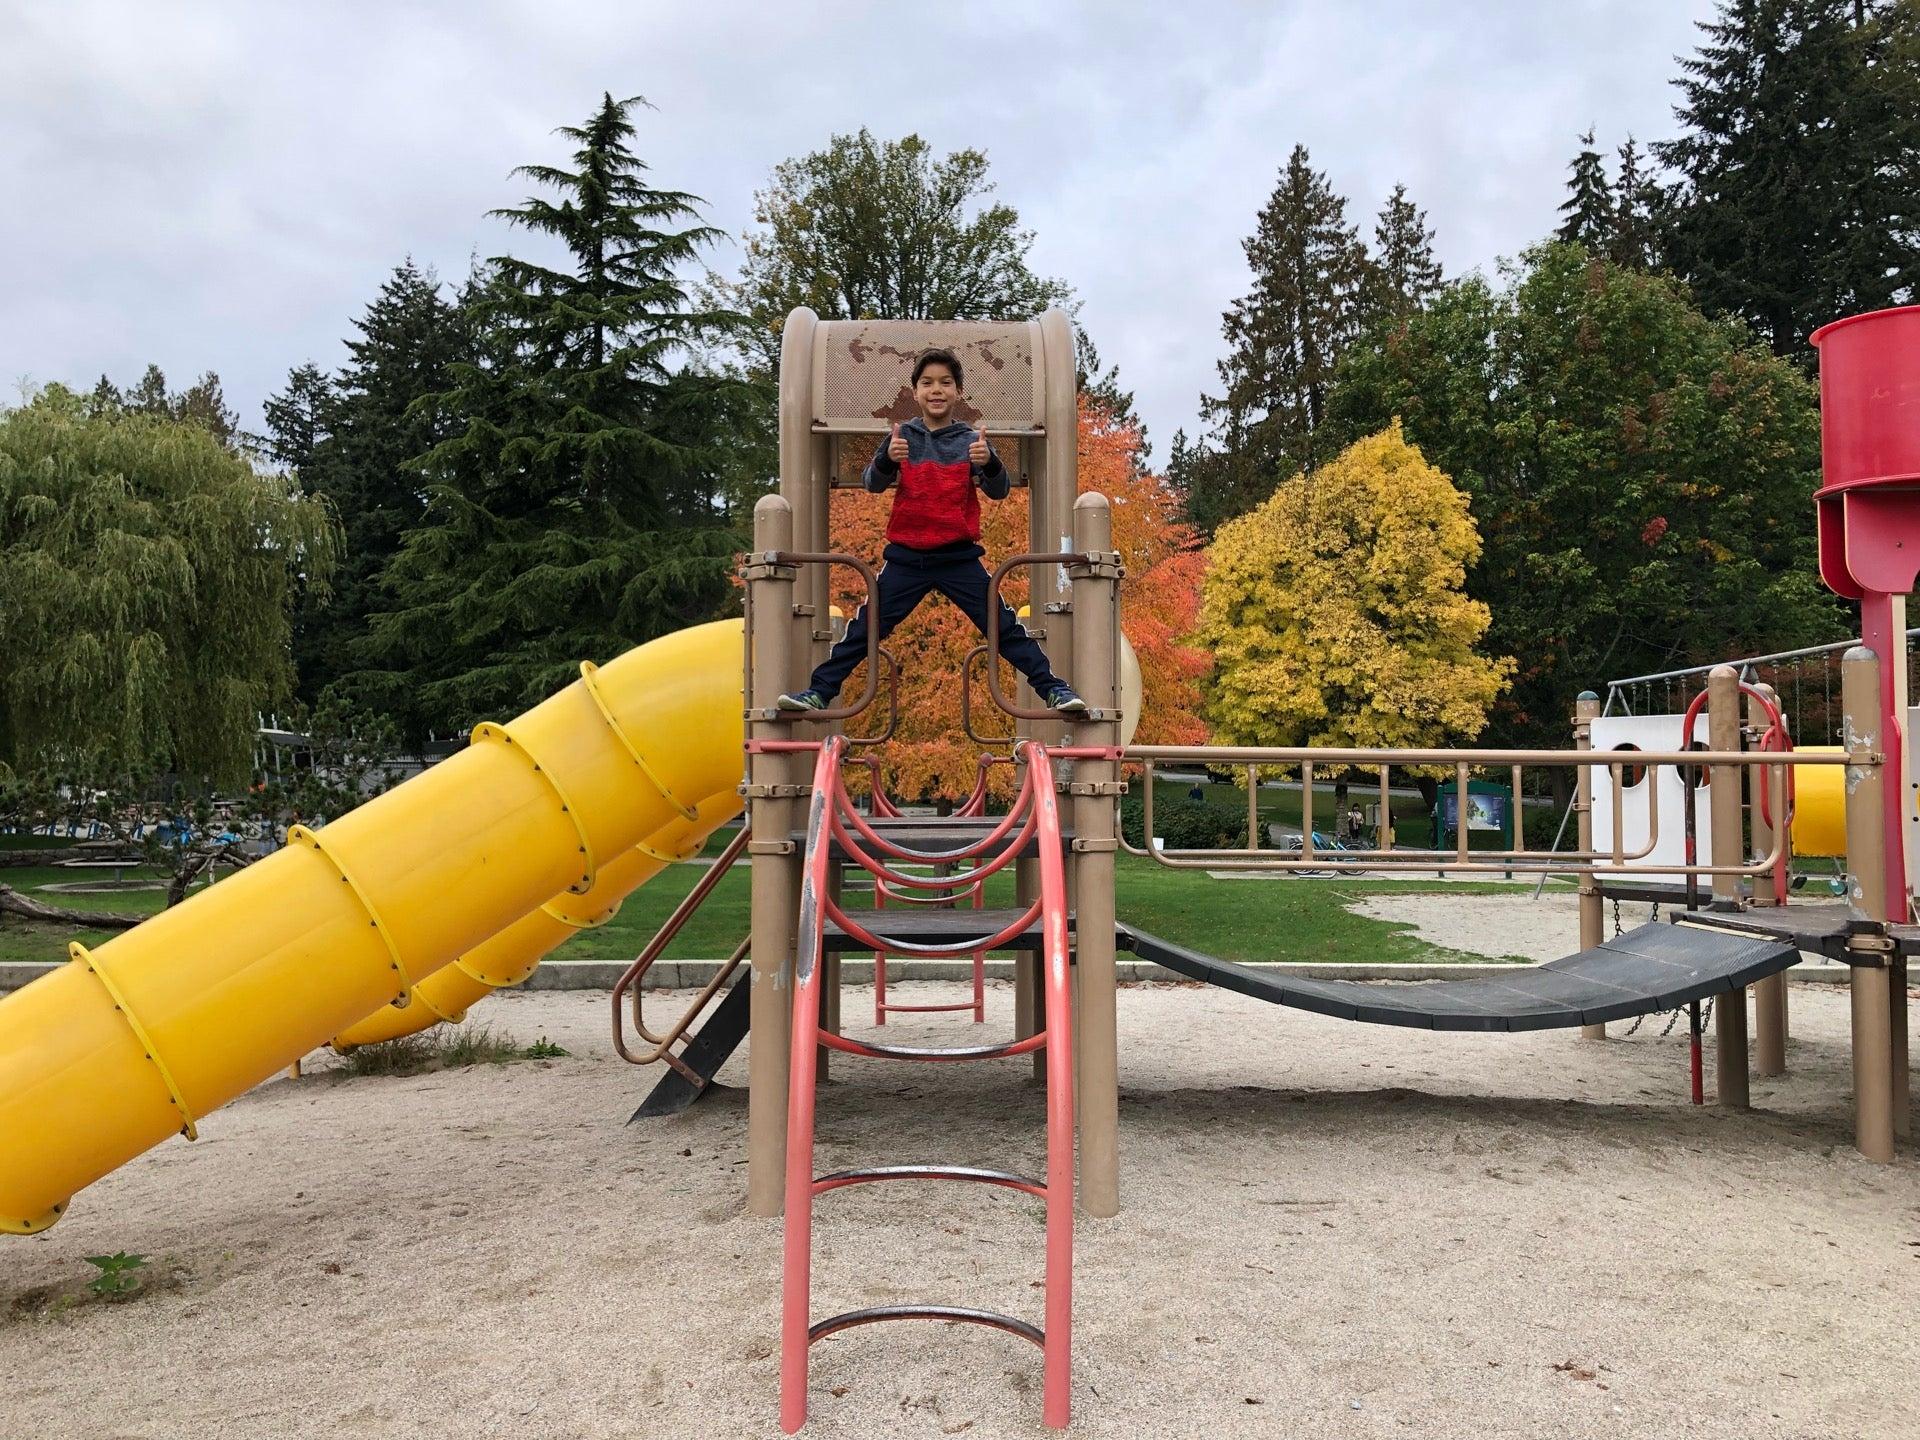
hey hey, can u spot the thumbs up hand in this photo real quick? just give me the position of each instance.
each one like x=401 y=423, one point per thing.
x=897 y=447
x=978 y=452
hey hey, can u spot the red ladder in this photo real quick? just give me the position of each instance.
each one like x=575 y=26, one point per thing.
x=1036 y=812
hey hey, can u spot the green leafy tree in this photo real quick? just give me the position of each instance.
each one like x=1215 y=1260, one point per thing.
x=1311 y=279
x=1639 y=472
x=1799 y=163
x=149 y=574
x=1589 y=206
x=354 y=439
x=570 y=511
x=885 y=229
x=879 y=229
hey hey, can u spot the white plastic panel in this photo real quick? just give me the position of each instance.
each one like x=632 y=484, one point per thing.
x=1637 y=801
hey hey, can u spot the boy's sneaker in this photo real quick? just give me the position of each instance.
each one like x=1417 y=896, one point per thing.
x=803 y=701
x=1062 y=699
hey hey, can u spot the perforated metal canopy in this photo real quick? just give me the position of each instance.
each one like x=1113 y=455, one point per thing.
x=862 y=373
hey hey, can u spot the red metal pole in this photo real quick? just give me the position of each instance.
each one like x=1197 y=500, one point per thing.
x=797 y=1271
x=1881 y=633
x=879 y=959
x=1056 y=1362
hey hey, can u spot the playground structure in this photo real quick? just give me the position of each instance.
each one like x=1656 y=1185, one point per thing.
x=407 y=910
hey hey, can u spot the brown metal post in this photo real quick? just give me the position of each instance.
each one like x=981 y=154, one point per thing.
x=1902 y=1065
x=775 y=869
x=1867 y=898
x=1056 y=484
x=1586 y=709
x=1729 y=846
x=1770 y=994
x=1096 y=601
x=813 y=619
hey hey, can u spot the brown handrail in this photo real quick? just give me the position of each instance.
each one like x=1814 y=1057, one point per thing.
x=893 y=701
x=661 y=1047
x=872 y=607
x=663 y=937
x=1014 y=562
x=966 y=701
x=1459 y=859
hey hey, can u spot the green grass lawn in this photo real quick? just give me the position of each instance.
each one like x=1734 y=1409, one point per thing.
x=1281 y=919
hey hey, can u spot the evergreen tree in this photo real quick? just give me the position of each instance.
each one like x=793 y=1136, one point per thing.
x=299 y=418
x=354 y=439
x=569 y=512
x=1100 y=385
x=1589 y=206
x=1406 y=273
x=1800 y=163
x=202 y=403
x=1311 y=279
x=1638 y=207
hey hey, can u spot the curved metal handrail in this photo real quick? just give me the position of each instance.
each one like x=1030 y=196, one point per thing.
x=872 y=607
x=630 y=979
x=1015 y=562
x=893 y=704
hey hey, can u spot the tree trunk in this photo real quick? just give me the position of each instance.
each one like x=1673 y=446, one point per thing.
x=12 y=902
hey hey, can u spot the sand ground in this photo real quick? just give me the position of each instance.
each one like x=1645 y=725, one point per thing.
x=1328 y=1230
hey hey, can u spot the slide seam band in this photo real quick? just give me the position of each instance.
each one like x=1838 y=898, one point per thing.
x=94 y=967
x=655 y=853
x=588 y=670
x=488 y=730
x=301 y=835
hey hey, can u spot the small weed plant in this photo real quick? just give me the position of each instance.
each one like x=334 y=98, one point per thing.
x=119 y=1273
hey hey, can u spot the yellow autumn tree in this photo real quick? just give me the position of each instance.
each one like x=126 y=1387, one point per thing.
x=1336 y=612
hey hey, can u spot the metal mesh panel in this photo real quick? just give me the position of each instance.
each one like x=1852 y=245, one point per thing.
x=862 y=369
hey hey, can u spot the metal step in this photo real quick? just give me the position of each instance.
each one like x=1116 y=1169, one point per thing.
x=716 y=1039
x=924 y=926
x=930 y=834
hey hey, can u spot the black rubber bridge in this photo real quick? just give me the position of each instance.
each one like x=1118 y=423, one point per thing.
x=1644 y=971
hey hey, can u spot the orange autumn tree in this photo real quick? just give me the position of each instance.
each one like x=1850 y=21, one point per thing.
x=930 y=758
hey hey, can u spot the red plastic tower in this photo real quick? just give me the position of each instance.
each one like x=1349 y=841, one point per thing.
x=1869 y=516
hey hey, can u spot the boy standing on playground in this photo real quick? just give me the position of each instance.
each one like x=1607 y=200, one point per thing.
x=933 y=537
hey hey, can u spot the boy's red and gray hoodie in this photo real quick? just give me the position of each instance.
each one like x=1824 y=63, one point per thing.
x=936 y=507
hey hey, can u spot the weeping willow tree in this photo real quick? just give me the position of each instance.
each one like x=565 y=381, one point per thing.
x=147 y=575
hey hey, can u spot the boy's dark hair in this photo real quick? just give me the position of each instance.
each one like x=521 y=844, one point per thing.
x=940 y=357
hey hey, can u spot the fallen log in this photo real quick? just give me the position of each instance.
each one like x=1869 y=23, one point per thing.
x=12 y=902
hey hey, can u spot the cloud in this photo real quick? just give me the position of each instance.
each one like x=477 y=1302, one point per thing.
x=223 y=186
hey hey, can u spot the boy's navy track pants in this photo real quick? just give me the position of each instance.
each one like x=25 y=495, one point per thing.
x=906 y=578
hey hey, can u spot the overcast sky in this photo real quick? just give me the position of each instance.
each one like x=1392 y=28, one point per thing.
x=223 y=185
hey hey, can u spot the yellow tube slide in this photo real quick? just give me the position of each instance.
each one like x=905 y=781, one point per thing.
x=124 y=1046
x=1819 y=805
x=510 y=957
